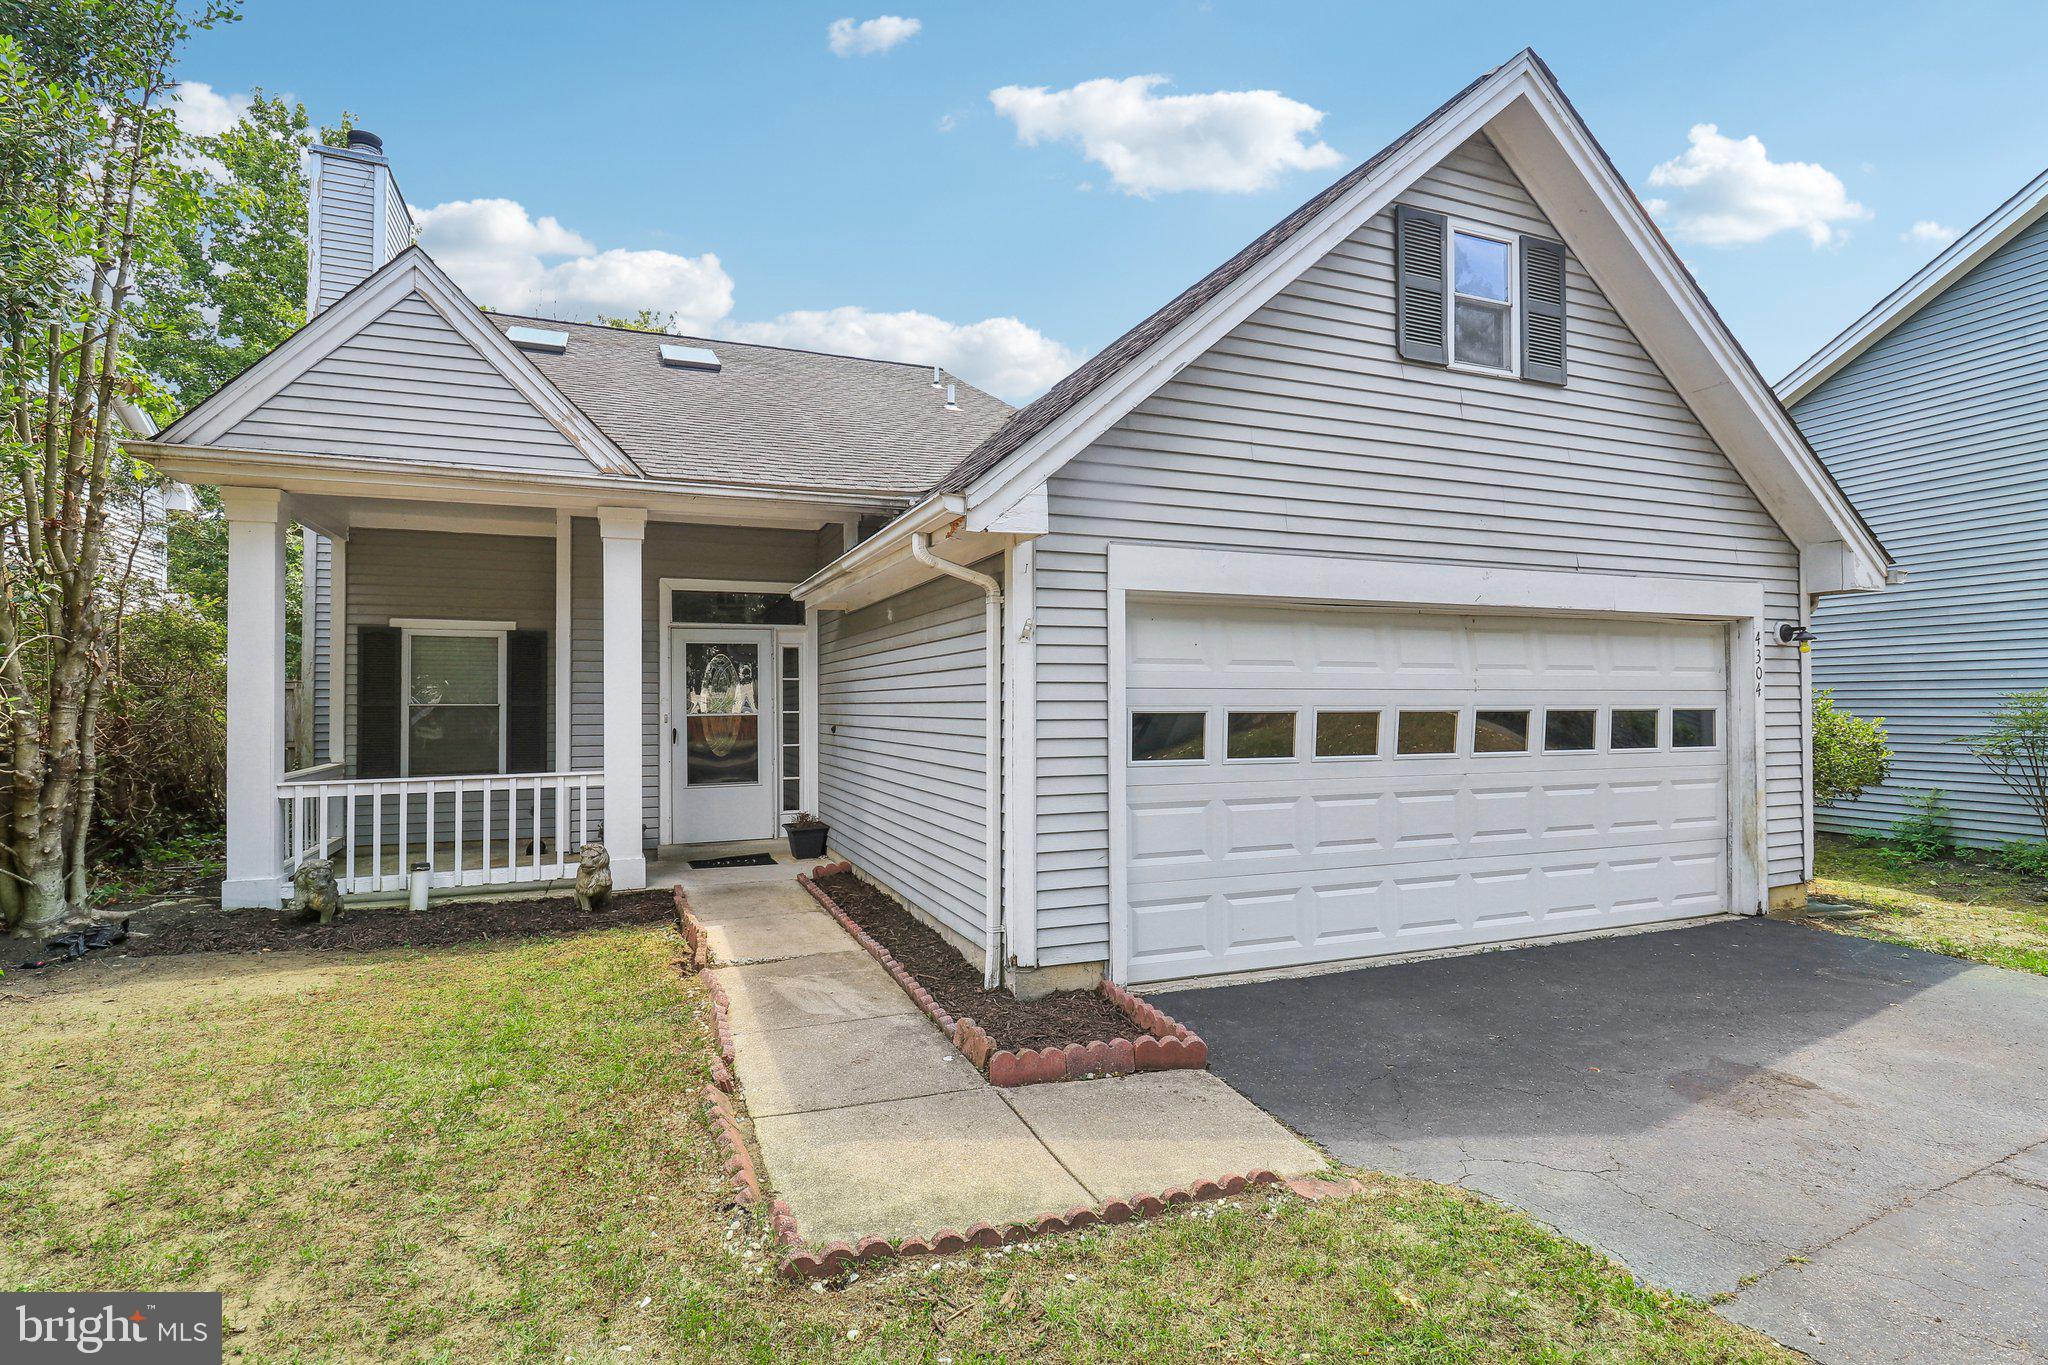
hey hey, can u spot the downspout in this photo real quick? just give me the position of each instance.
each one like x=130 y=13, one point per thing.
x=992 y=798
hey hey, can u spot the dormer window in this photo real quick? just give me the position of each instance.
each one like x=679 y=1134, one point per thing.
x=1482 y=304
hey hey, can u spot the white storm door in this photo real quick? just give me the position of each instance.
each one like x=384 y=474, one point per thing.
x=724 y=733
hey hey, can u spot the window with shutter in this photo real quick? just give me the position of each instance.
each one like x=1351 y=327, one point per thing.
x=1543 y=330
x=1419 y=279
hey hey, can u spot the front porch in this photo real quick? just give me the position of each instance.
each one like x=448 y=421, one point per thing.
x=485 y=685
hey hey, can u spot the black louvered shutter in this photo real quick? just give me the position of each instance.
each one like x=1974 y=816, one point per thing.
x=1542 y=310
x=526 y=701
x=380 y=709
x=1419 y=284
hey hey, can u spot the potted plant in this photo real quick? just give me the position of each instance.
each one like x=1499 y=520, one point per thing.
x=807 y=834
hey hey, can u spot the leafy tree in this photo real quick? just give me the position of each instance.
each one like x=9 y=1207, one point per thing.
x=2015 y=747
x=646 y=320
x=85 y=133
x=1849 y=752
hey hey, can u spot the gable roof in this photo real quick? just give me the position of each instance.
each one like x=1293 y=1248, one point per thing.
x=410 y=274
x=768 y=416
x=1521 y=109
x=1956 y=260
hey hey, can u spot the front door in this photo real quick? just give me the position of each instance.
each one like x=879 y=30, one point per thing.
x=725 y=735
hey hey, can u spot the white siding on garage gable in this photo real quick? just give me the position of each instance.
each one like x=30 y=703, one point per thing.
x=1303 y=432
x=409 y=386
x=1939 y=433
x=902 y=740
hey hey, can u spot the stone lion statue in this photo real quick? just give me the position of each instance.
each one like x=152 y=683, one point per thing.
x=593 y=878
x=315 y=891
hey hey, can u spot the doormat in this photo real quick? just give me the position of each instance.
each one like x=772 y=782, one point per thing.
x=736 y=860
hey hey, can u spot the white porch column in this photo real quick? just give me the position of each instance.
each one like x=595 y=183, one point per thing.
x=624 y=529
x=257 y=521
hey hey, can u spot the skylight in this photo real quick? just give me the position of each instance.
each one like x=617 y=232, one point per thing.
x=538 y=339
x=688 y=357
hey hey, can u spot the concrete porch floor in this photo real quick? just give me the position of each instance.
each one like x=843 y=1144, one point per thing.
x=870 y=1124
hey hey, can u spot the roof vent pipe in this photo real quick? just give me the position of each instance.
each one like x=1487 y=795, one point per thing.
x=935 y=376
x=952 y=403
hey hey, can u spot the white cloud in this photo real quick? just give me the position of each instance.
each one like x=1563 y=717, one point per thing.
x=1728 y=192
x=1002 y=355
x=504 y=258
x=870 y=36
x=1930 y=233
x=203 y=111
x=1232 y=141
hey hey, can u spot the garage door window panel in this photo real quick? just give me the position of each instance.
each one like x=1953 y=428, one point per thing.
x=1571 y=731
x=1253 y=736
x=1500 y=732
x=1427 y=734
x=1347 y=734
x=1693 y=728
x=1169 y=736
x=1632 y=728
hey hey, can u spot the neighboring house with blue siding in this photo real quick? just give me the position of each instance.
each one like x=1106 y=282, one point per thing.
x=1932 y=412
x=1412 y=581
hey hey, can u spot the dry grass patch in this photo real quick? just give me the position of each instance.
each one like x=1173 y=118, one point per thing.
x=1964 y=907
x=492 y=1153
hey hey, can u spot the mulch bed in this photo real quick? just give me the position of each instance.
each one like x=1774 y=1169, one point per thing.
x=1050 y=1021
x=442 y=925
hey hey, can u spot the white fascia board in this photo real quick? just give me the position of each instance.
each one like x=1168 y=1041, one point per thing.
x=1179 y=571
x=1957 y=259
x=1603 y=224
x=411 y=271
x=381 y=479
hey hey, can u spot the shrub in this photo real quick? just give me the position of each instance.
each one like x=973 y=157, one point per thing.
x=1928 y=832
x=2016 y=748
x=2026 y=857
x=163 y=730
x=1849 y=752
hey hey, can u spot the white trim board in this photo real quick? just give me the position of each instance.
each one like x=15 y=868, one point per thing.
x=1161 y=572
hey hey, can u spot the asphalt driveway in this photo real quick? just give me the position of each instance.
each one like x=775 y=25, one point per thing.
x=1849 y=1138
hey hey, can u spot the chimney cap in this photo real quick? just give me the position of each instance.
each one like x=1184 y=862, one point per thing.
x=362 y=140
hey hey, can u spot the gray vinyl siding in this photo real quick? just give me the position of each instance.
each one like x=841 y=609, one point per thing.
x=1939 y=434
x=318 y=636
x=903 y=735
x=1303 y=432
x=345 y=226
x=451 y=577
x=672 y=550
x=397 y=222
x=409 y=386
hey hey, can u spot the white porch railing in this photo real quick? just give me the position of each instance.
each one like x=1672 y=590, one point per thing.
x=468 y=831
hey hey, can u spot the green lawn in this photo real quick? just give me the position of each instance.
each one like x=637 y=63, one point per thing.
x=1965 y=907
x=494 y=1153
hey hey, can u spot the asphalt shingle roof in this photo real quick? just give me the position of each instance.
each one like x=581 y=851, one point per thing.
x=768 y=416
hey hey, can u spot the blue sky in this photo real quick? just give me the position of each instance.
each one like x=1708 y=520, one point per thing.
x=878 y=198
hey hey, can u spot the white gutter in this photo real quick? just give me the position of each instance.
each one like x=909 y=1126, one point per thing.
x=992 y=795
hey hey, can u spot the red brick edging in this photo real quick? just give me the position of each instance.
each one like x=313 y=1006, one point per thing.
x=804 y=1263
x=1170 y=1046
x=694 y=936
x=725 y=1124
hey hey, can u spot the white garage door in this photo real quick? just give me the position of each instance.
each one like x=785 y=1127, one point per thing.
x=1307 y=785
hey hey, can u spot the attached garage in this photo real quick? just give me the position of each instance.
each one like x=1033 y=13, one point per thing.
x=1305 y=785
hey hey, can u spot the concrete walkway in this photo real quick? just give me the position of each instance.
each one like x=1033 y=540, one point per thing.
x=870 y=1124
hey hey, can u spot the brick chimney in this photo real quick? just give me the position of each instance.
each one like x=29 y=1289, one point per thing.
x=358 y=218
